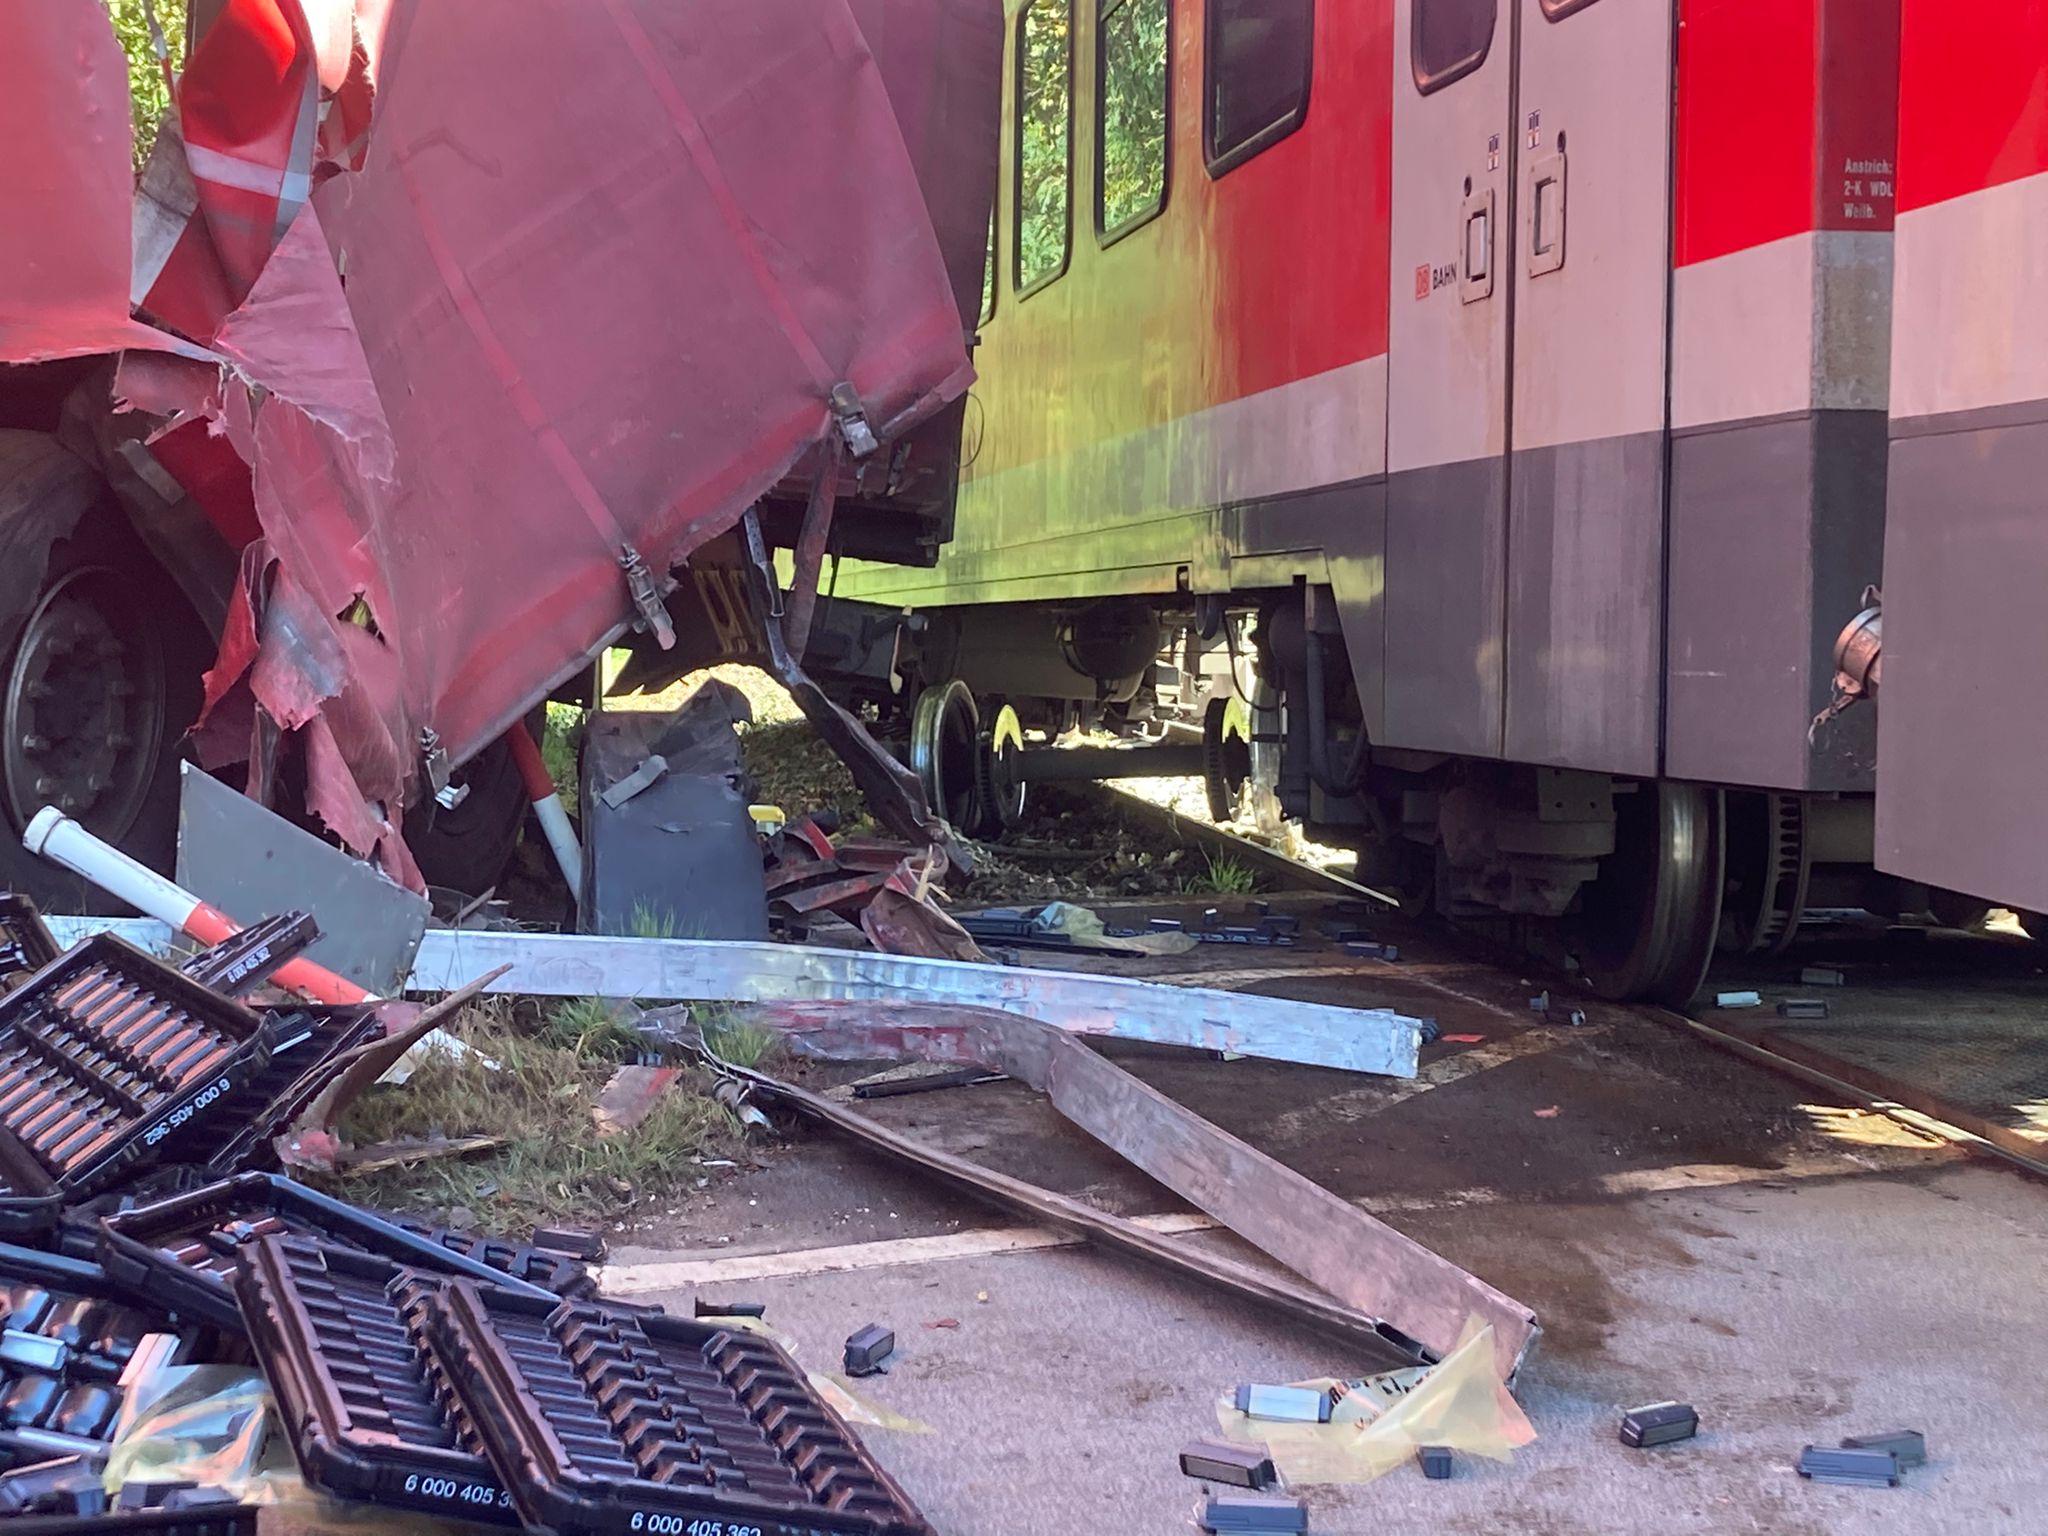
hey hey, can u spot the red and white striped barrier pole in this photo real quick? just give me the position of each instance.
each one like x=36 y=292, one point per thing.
x=62 y=840
x=547 y=805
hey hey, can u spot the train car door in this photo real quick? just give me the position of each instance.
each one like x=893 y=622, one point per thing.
x=1590 y=263
x=1447 y=374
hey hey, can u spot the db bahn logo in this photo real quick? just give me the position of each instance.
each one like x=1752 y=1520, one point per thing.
x=1428 y=279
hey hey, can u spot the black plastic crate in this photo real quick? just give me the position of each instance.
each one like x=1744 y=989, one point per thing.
x=185 y=1249
x=26 y=945
x=556 y=1273
x=603 y=1421
x=242 y=962
x=339 y=1335
x=310 y=1039
x=208 y=1520
x=68 y=1336
x=109 y=1059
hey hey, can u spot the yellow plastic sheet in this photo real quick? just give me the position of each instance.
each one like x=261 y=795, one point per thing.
x=1459 y=1403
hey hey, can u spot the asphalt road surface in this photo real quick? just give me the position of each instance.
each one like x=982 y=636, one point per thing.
x=1684 y=1224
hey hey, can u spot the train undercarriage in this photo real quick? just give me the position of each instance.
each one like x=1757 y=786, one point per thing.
x=1635 y=882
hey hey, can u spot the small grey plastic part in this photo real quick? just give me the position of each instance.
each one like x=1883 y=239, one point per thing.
x=198 y=1498
x=1288 y=1405
x=1849 y=1468
x=1803 y=1008
x=868 y=1350
x=33 y=1352
x=1659 y=1424
x=1226 y=1461
x=1908 y=1445
x=1256 y=1512
x=703 y=1308
x=1436 y=1461
x=1821 y=976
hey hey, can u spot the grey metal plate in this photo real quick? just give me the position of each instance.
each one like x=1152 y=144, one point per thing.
x=253 y=864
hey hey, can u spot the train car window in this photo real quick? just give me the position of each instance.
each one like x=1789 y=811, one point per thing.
x=1045 y=137
x=1451 y=39
x=1132 y=96
x=1256 y=69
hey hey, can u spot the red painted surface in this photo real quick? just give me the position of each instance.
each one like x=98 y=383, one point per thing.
x=214 y=476
x=1855 y=180
x=1310 y=216
x=65 y=185
x=1776 y=98
x=1973 y=97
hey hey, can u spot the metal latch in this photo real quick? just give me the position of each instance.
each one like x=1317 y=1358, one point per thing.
x=434 y=760
x=853 y=421
x=646 y=596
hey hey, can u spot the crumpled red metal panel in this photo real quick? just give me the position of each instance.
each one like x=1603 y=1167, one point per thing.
x=580 y=298
x=65 y=185
x=234 y=164
x=600 y=315
x=942 y=61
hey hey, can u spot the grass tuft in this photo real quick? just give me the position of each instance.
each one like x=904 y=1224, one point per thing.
x=1224 y=877
x=553 y=1165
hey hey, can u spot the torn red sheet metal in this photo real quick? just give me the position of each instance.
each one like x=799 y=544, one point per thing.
x=65 y=185
x=600 y=331
x=233 y=166
x=511 y=318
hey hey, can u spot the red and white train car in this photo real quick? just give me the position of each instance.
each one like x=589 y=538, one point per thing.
x=1961 y=729
x=1525 y=367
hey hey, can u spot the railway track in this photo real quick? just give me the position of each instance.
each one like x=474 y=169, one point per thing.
x=1939 y=1031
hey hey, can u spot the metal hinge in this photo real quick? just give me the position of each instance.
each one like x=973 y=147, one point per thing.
x=853 y=421
x=646 y=596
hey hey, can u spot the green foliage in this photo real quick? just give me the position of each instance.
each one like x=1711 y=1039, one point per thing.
x=558 y=747
x=1044 y=181
x=593 y=1029
x=553 y=1165
x=148 y=94
x=1225 y=877
x=1134 y=87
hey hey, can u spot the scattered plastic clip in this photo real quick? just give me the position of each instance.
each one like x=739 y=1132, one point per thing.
x=868 y=1350
x=1224 y=1461
x=1821 y=976
x=1659 y=1424
x=1803 y=1008
x=1909 y=1446
x=1289 y=1405
x=1849 y=1468
x=1256 y=1512
x=1738 y=1000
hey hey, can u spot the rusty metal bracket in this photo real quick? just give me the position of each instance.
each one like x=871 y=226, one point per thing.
x=892 y=790
x=1266 y=1291
x=852 y=417
x=811 y=543
x=646 y=594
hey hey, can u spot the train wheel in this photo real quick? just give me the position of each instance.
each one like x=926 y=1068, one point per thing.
x=999 y=787
x=1226 y=755
x=1767 y=871
x=1647 y=925
x=945 y=739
